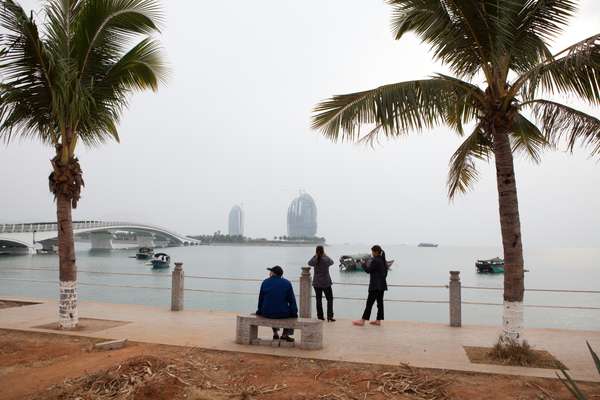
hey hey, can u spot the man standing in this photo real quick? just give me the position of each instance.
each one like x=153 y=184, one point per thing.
x=276 y=300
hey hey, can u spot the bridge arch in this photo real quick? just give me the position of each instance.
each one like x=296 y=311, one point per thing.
x=14 y=246
x=181 y=240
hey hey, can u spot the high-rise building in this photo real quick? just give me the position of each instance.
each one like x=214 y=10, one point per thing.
x=302 y=217
x=236 y=221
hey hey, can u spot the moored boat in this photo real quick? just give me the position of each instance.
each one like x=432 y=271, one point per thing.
x=353 y=263
x=491 y=266
x=144 y=253
x=161 y=260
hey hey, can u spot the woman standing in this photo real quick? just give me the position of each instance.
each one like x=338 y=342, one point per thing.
x=377 y=269
x=322 y=282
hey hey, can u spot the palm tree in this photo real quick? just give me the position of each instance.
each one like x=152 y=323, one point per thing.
x=66 y=81
x=498 y=52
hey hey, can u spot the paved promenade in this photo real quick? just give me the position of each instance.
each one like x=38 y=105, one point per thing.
x=419 y=344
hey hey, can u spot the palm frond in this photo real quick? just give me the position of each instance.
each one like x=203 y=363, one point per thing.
x=527 y=27
x=594 y=356
x=527 y=51
x=527 y=139
x=463 y=172
x=453 y=29
x=573 y=70
x=546 y=19
x=397 y=108
x=27 y=72
x=141 y=68
x=571 y=385
x=106 y=27
x=469 y=101
x=559 y=122
x=71 y=83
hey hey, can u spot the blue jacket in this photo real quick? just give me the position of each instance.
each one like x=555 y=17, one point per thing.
x=276 y=299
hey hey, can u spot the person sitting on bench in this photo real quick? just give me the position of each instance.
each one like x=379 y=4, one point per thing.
x=276 y=300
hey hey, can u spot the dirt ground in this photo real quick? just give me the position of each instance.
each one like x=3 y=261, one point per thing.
x=51 y=366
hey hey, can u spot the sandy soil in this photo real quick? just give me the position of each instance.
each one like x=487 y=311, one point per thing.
x=52 y=366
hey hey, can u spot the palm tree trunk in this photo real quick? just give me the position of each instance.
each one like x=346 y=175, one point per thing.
x=65 y=182
x=67 y=318
x=510 y=225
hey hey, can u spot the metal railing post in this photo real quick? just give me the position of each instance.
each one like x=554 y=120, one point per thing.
x=177 y=288
x=305 y=283
x=455 y=299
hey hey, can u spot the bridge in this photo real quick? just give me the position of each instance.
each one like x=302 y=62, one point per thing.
x=27 y=237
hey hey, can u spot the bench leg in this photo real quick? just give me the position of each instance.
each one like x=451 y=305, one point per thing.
x=243 y=331
x=312 y=339
x=253 y=333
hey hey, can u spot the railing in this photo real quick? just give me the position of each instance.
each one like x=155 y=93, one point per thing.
x=178 y=289
x=52 y=226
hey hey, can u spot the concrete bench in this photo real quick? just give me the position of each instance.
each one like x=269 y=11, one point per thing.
x=311 y=329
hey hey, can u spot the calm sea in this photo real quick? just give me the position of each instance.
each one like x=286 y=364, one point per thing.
x=575 y=269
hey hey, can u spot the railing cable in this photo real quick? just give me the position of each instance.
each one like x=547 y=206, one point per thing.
x=339 y=298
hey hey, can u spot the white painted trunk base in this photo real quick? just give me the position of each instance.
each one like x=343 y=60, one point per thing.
x=67 y=307
x=512 y=321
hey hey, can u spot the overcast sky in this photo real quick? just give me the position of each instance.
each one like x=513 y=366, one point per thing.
x=233 y=126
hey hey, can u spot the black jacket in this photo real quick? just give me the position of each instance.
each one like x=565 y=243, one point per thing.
x=377 y=269
x=322 y=279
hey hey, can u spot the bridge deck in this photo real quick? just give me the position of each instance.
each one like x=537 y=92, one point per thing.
x=420 y=344
x=26 y=233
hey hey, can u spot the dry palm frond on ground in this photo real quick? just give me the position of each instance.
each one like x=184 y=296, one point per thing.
x=402 y=381
x=197 y=376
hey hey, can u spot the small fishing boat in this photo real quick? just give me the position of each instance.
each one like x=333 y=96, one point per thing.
x=427 y=245
x=144 y=253
x=161 y=260
x=491 y=266
x=353 y=263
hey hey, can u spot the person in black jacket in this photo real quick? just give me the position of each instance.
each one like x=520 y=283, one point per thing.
x=322 y=282
x=377 y=270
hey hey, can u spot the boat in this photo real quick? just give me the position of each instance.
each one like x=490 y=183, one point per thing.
x=144 y=253
x=353 y=263
x=427 y=245
x=491 y=266
x=161 y=260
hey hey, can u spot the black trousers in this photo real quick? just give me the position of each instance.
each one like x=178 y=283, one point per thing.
x=374 y=295
x=286 y=331
x=329 y=296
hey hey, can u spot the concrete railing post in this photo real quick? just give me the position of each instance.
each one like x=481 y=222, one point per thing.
x=177 y=288
x=305 y=284
x=455 y=299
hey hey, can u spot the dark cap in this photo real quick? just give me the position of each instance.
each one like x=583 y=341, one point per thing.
x=277 y=270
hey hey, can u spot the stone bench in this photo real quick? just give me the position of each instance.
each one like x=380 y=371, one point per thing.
x=311 y=329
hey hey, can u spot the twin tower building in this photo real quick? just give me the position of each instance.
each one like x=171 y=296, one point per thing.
x=301 y=218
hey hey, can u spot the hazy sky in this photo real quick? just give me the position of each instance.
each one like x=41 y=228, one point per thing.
x=233 y=126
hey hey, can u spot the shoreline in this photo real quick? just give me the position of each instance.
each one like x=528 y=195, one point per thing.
x=265 y=244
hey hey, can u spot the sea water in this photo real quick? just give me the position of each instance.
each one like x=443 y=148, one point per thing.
x=563 y=269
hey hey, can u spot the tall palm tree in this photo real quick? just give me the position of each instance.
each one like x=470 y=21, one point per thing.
x=65 y=78
x=498 y=52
